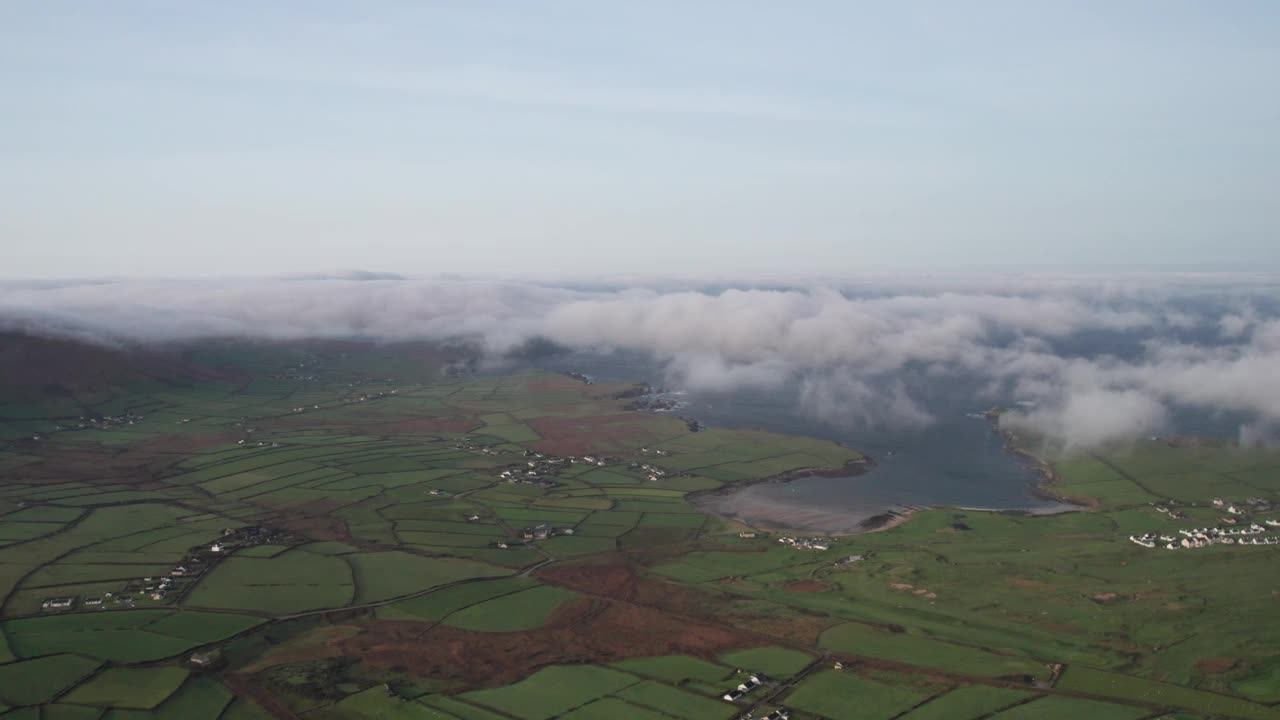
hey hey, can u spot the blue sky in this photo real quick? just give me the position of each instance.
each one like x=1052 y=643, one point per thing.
x=163 y=138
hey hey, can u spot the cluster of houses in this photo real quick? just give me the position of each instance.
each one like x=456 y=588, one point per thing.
x=201 y=558
x=537 y=532
x=542 y=532
x=535 y=467
x=1250 y=505
x=294 y=372
x=182 y=576
x=95 y=422
x=473 y=447
x=369 y=396
x=1238 y=527
x=1271 y=540
x=538 y=465
x=1169 y=509
x=745 y=688
x=1204 y=537
x=367 y=380
x=294 y=376
x=797 y=543
x=93 y=601
x=652 y=472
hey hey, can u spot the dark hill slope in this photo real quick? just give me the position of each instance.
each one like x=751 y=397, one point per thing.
x=34 y=367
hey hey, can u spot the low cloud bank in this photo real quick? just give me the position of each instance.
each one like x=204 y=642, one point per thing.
x=1093 y=359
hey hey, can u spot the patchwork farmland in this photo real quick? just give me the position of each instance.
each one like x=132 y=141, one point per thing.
x=330 y=533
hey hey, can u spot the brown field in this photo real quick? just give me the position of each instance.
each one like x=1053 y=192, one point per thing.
x=580 y=435
x=247 y=687
x=586 y=631
x=309 y=520
x=315 y=645
x=618 y=579
x=1216 y=665
x=805 y=586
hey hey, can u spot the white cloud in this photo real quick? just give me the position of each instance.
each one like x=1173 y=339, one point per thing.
x=847 y=348
x=1092 y=416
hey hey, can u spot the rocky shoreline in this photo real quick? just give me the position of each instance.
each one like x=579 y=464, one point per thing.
x=1036 y=464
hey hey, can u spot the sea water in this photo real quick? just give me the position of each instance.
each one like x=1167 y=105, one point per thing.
x=956 y=460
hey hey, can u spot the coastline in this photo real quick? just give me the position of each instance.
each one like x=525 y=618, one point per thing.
x=852 y=468
x=712 y=502
x=766 y=511
x=1041 y=467
x=763 y=516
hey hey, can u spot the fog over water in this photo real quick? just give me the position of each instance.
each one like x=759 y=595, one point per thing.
x=922 y=428
x=956 y=460
x=888 y=364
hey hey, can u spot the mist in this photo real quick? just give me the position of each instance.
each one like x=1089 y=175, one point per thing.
x=1082 y=359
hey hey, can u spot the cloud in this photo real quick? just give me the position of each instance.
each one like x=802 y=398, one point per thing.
x=1092 y=416
x=844 y=399
x=1101 y=358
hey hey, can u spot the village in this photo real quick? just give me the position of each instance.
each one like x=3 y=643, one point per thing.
x=296 y=372
x=1233 y=532
x=538 y=469
x=538 y=465
x=799 y=543
x=181 y=578
x=94 y=422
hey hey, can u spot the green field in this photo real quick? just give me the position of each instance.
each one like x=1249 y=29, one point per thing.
x=1125 y=687
x=379 y=576
x=966 y=703
x=774 y=661
x=441 y=603
x=370 y=491
x=1063 y=708
x=845 y=696
x=36 y=681
x=121 y=636
x=523 y=610
x=858 y=639
x=459 y=709
x=676 y=703
x=142 y=688
x=552 y=691
x=611 y=708
x=295 y=581
x=675 y=669
x=201 y=697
